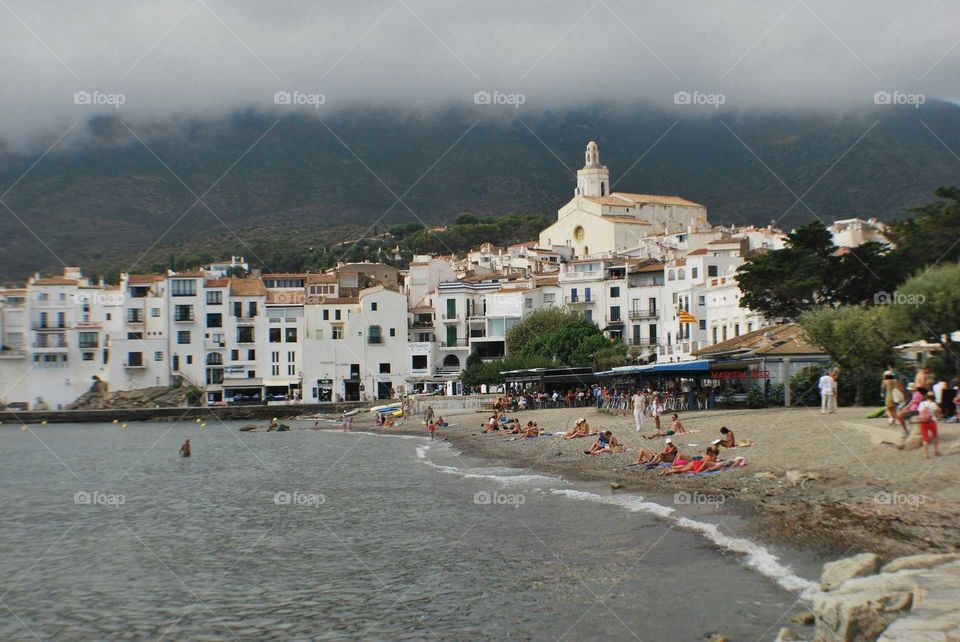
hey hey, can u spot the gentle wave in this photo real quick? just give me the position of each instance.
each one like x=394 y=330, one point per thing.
x=756 y=556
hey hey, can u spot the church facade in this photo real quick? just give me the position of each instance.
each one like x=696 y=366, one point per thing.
x=598 y=221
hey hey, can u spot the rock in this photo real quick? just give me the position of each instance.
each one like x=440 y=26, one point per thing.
x=799 y=477
x=862 y=607
x=836 y=573
x=918 y=561
x=716 y=637
x=806 y=618
x=786 y=635
x=615 y=485
x=913 y=442
x=765 y=475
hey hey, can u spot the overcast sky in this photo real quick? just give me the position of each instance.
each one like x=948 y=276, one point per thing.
x=189 y=57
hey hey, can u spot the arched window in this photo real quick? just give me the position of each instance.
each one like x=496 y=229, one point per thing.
x=681 y=274
x=214 y=359
x=671 y=275
x=451 y=361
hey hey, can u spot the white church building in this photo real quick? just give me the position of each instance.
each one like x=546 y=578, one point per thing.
x=597 y=221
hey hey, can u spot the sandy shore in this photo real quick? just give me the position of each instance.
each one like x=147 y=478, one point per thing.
x=860 y=495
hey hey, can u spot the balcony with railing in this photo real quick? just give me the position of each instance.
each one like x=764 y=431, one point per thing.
x=455 y=344
x=49 y=327
x=644 y=313
x=641 y=342
x=577 y=300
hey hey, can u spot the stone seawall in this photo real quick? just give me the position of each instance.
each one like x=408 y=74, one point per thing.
x=176 y=414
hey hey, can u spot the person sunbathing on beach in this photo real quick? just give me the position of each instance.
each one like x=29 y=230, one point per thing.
x=491 y=425
x=512 y=427
x=603 y=440
x=676 y=426
x=709 y=459
x=580 y=429
x=531 y=430
x=720 y=465
x=613 y=446
x=669 y=454
x=389 y=422
x=727 y=441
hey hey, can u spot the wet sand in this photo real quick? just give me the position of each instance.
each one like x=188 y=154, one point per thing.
x=860 y=495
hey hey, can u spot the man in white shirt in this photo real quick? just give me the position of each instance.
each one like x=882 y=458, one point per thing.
x=827 y=387
x=639 y=406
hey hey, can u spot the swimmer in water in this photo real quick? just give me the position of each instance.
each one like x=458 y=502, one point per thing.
x=185 y=449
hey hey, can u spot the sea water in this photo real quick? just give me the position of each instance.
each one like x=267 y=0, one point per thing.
x=323 y=535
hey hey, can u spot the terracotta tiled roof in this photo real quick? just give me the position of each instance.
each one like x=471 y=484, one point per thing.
x=56 y=280
x=16 y=291
x=655 y=267
x=216 y=283
x=144 y=279
x=250 y=286
x=786 y=338
x=629 y=220
x=192 y=274
x=699 y=252
x=321 y=278
x=285 y=275
x=548 y=280
x=655 y=199
x=610 y=200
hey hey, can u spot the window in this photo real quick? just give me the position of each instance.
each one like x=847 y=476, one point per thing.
x=158 y=356
x=336 y=333
x=712 y=270
x=614 y=292
x=245 y=334
x=88 y=340
x=155 y=313
x=703 y=324
x=88 y=356
x=291 y=356
x=615 y=313
x=251 y=355
x=451 y=309
x=681 y=274
x=183 y=313
x=214 y=320
x=549 y=297
x=214 y=359
x=183 y=287
x=418 y=362
x=134 y=336
x=384 y=368
x=586 y=294
x=274 y=370
x=214 y=297
x=528 y=303
x=393 y=332
x=701 y=300
x=234 y=355
x=183 y=336
x=373 y=306
x=590 y=315
x=671 y=275
x=237 y=309
x=134 y=359
x=290 y=335
x=274 y=357
x=275 y=334
x=373 y=335
x=189 y=359
x=573 y=294
x=252 y=309
x=693 y=272
x=134 y=315
x=326 y=315
x=336 y=315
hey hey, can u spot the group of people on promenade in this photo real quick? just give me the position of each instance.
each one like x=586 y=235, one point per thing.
x=679 y=393
x=926 y=398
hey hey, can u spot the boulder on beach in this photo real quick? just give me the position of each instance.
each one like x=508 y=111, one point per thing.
x=918 y=562
x=838 y=572
x=862 y=607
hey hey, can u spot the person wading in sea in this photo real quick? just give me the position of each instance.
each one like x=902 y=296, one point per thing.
x=185 y=449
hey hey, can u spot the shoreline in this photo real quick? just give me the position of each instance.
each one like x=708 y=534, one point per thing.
x=828 y=510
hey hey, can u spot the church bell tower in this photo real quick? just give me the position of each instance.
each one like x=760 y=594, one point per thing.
x=594 y=178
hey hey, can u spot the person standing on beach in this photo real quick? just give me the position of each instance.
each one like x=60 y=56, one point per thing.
x=656 y=408
x=826 y=386
x=639 y=407
x=431 y=428
x=185 y=449
x=929 y=411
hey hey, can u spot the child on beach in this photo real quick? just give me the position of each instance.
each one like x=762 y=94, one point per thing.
x=431 y=427
x=929 y=411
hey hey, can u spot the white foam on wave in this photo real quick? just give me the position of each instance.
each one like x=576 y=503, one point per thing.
x=501 y=475
x=756 y=556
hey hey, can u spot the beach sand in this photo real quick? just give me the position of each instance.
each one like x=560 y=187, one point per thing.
x=861 y=495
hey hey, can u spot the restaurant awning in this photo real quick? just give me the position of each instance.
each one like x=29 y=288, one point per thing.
x=680 y=367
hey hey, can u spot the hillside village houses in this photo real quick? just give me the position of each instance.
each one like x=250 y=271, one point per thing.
x=628 y=262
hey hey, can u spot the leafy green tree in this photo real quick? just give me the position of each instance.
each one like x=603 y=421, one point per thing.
x=932 y=235
x=573 y=344
x=467 y=219
x=927 y=306
x=856 y=338
x=536 y=324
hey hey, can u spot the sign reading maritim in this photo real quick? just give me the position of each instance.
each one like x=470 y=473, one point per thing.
x=741 y=374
